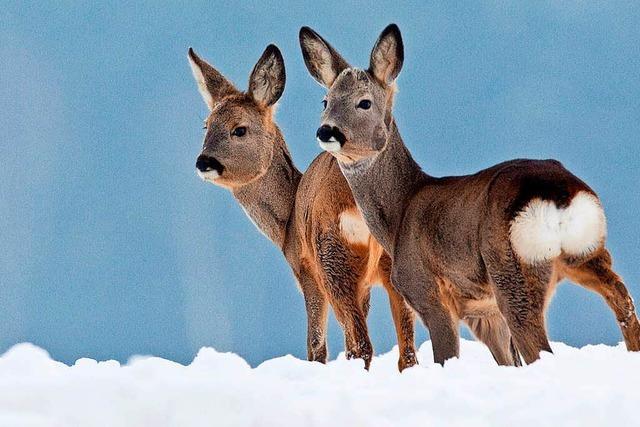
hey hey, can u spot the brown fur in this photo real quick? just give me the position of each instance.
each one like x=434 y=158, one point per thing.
x=301 y=214
x=449 y=238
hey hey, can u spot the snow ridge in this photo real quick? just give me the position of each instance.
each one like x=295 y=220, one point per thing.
x=595 y=385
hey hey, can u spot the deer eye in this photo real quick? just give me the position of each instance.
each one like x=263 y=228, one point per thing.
x=365 y=104
x=239 y=131
x=324 y=104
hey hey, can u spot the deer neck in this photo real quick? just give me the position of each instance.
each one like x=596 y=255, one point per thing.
x=269 y=200
x=382 y=187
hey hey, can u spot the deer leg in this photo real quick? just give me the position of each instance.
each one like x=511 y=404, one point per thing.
x=403 y=320
x=421 y=291
x=443 y=330
x=521 y=292
x=341 y=275
x=317 y=310
x=493 y=331
x=365 y=301
x=597 y=275
x=352 y=319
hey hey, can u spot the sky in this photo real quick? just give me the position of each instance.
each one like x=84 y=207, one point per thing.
x=110 y=246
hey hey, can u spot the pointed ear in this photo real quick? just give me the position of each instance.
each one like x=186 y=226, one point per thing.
x=211 y=84
x=268 y=77
x=321 y=59
x=387 y=55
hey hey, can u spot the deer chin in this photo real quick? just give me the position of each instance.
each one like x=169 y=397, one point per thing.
x=355 y=167
x=355 y=158
x=209 y=176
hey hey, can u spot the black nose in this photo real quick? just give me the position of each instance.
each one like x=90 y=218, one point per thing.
x=206 y=163
x=325 y=132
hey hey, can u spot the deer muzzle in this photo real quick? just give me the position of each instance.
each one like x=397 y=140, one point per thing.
x=208 y=167
x=330 y=138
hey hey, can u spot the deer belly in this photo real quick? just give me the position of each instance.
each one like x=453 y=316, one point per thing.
x=480 y=307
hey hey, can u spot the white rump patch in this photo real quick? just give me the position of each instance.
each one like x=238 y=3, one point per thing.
x=353 y=227
x=542 y=231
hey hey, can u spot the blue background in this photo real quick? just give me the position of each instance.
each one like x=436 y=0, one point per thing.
x=111 y=246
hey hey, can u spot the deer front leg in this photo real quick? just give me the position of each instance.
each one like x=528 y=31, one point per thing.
x=403 y=320
x=317 y=309
x=421 y=292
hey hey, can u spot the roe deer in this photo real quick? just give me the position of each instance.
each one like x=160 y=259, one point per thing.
x=487 y=248
x=311 y=217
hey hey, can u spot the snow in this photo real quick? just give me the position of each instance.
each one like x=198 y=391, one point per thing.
x=595 y=385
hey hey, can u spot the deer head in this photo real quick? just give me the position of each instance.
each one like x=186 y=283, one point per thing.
x=240 y=132
x=357 y=117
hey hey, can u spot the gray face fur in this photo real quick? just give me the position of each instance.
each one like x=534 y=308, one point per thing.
x=243 y=158
x=240 y=132
x=365 y=132
x=359 y=103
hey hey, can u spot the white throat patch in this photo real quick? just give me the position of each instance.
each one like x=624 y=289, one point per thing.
x=353 y=227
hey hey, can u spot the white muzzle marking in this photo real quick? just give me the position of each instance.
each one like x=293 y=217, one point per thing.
x=210 y=175
x=332 y=146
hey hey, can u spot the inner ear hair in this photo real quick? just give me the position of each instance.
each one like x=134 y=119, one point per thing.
x=390 y=93
x=212 y=85
x=387 y=55
x=267 y=80
x=322 y=60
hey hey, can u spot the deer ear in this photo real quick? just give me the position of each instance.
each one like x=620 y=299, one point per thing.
x=321 y=59
x=268 y=77
x=387 y=55
x=211 y=84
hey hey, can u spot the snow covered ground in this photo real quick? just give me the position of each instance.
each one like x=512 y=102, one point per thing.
x=595 y=385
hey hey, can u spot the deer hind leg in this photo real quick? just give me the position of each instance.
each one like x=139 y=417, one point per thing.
x=341 y=275
x=493 y=331
x=358 y=345
x=597 y=275
x=365 y=300
x=521 y=292
x=317 y=309
x=403 y=320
